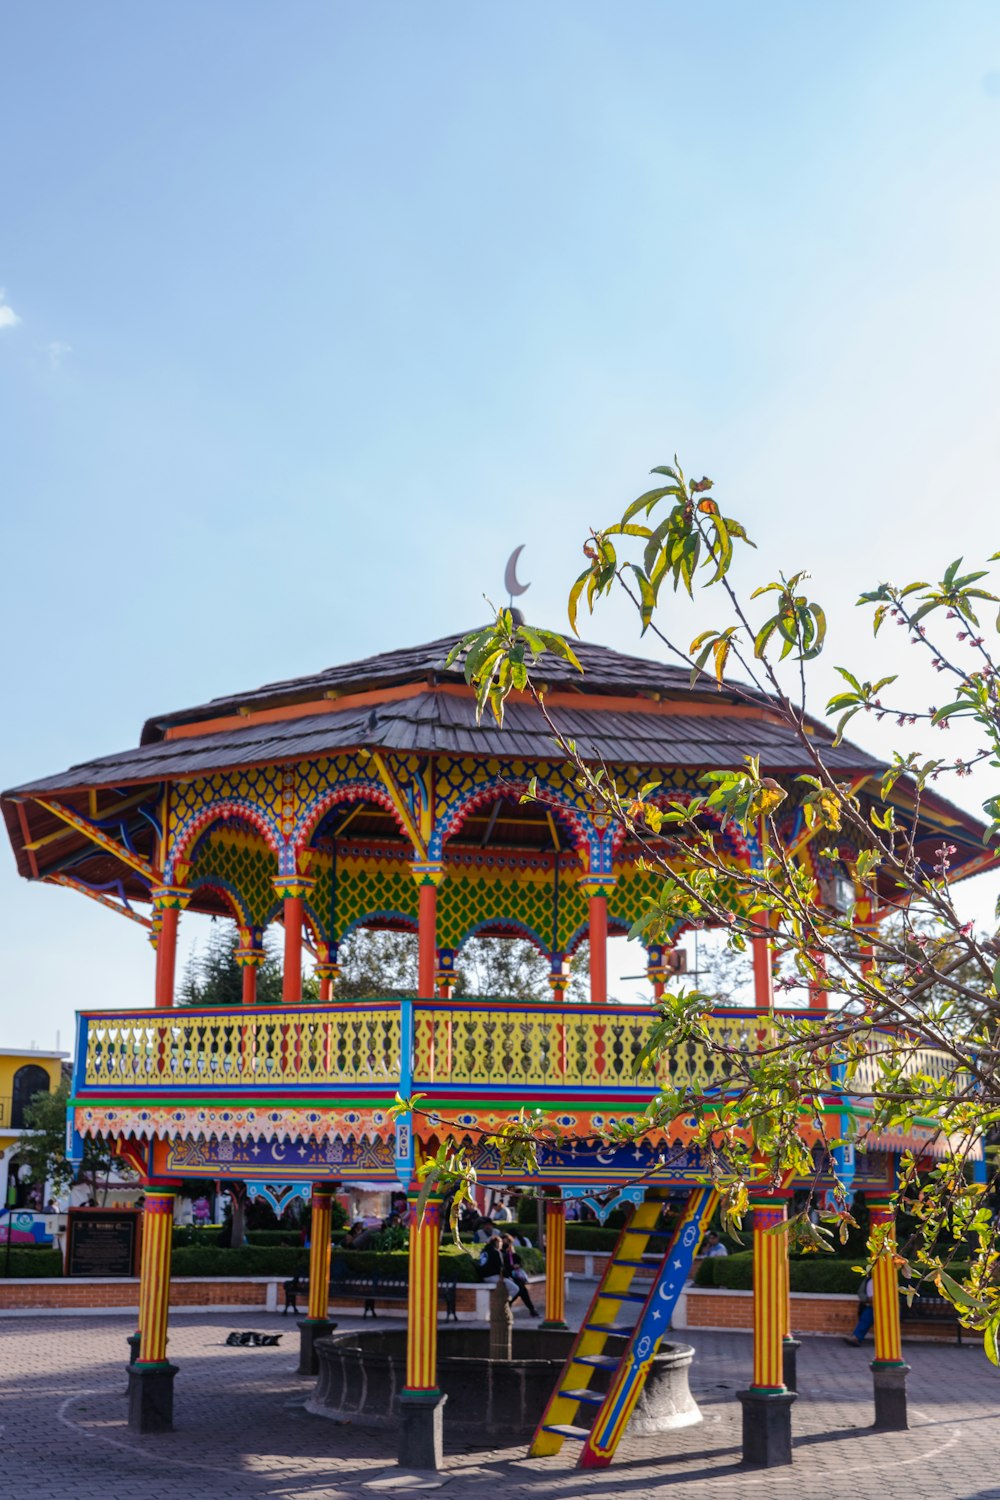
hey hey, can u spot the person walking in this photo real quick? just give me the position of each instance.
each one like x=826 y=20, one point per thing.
x=866 y=1314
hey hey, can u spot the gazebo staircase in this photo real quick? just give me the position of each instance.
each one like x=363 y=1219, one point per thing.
x=615 y=1348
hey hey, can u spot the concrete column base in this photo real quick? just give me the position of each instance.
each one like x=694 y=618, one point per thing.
x=421 y=1430
x=890 y=1396
x=789 y=1363
x=151 y=1397
x=767 y=1428
x=555 y=1323
x=311 y=1329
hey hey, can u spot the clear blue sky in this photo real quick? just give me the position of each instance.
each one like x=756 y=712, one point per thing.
x=313 y=312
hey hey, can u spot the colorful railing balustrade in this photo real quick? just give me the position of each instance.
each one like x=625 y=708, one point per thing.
x=493 y=1046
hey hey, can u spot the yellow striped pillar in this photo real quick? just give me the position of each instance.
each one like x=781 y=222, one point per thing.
x=889 y=1369
x=319 y=1253
x=316 y=1325
x=770 y=1252
x=151 y=1376
x=767 y=1426
x=421 y=1404
x=555 y=1264
x=154 y=1275
x=422 y=1301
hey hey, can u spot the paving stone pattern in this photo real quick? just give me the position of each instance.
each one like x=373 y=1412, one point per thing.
x=242 y=1429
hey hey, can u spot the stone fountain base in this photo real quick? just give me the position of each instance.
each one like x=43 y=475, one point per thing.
x=362 y=1374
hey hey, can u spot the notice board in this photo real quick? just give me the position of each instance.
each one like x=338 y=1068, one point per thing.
x=102 y=1242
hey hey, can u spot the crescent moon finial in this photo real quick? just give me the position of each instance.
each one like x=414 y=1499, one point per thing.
x=510 y=581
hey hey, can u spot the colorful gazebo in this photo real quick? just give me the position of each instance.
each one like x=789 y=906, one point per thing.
x=368 y=795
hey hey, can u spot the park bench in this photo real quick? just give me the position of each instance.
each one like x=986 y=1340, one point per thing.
x=926 y=1308
x=368 y=1287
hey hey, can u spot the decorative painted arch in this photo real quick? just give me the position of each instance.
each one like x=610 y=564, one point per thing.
x=401 y=922
x=362 y=789
x=225 y=888
x=571 y=818
x=509 y=926
x=230 y=810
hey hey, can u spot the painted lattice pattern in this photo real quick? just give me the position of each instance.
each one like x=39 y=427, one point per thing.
x=242 y=865
x=353 y=776
x=512 y=889
x=253 y=795
x=463 y=784
x=372 y=883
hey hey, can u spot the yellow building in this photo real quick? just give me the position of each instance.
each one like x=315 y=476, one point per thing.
x=22 y=1075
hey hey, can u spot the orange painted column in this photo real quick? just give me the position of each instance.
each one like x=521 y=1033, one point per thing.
x=763 y=978
x=320 y=1250
x=428 y=876
x=154 y=1276
x=769 y=1294
x=555 y=1264
x=293 y=890
x=422 y=1300
x=598 y=927
x=168 y=901
x=250 y=958
x=885 y=1286
x=597 y=888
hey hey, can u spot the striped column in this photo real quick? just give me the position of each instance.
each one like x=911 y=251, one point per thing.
x=770 y=1295
x=319 y=1254
x=763 y=965
x=422 y=1301
x=154 y=1276
x=555 y=1264
x=885 y=1285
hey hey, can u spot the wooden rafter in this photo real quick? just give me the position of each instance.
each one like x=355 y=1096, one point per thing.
x=108 y=901
x=400 y=804
x=62 y=833
x=101 y=839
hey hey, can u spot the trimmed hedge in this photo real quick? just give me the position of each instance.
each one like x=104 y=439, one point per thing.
x=25 y=1261
x=462 y=1263
x=249 y=1260
x=453 y=1260
x=807 y=1273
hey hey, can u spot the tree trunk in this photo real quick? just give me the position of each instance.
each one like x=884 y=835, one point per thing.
x=238 y=1199
x=501 y=1322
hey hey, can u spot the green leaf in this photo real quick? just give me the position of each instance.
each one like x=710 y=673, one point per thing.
x=991 y=1340
x=574 y=598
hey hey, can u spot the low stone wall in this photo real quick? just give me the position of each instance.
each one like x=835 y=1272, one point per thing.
x=587 y=1263
x=812 y=1312
x=830 y=1314
x=121 y=1294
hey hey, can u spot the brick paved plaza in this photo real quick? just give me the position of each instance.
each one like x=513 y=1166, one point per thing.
x=242 y=1429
